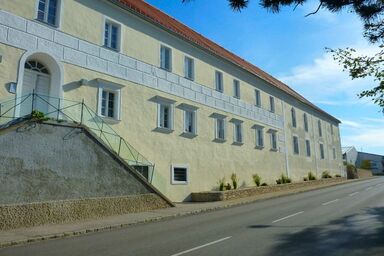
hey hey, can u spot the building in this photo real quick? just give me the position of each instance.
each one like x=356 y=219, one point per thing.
x=195 y=110
x=376 y=162
x=349 y=155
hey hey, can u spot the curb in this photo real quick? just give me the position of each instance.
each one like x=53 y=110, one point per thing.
x=229 y=204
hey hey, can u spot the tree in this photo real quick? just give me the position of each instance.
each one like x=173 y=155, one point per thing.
x=371 y=12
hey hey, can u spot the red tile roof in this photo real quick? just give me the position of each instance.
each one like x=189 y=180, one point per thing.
x=165 y=21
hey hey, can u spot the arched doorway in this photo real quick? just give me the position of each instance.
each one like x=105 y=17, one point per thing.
x=37 y=79
x=41 y=73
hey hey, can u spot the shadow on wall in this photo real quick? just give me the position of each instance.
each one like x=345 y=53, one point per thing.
x=357 y=234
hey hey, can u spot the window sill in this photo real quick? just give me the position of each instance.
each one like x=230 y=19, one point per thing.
x=110 y=120
x=179 y=182
x=218 y=140
x=163 y=130
x=165 y=69
x=188 y=135
x=190 y=79
x=47 y=24
x=111 y=49
x=274 y=149
x=236 y=143
x=259 y=147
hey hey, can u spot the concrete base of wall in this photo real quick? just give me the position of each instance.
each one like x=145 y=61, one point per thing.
x=211 y=196
x=52 y=212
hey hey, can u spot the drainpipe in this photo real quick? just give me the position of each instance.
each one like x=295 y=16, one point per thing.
x=285 y=141
x=315 y=146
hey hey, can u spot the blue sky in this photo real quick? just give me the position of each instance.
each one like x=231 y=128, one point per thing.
x=291 y=47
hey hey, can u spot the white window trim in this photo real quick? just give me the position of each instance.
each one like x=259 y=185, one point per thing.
x=258 y=99
x=321 y=152
x=185 y=68
x=306 y=148
x=111 y=87
x=271 y=133
x=217 y=116
x=60 y=7
x=298 y=144
x=222 y=81
x=293 y=117
x=119 y=34
x=237 y=122
x=170 y=59
x=235 y=81
x=272 y=104
x=173 y=181
x=259 y=128
x=189 y=108
x=164 y=101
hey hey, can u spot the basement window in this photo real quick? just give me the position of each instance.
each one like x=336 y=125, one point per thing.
x=179 y=174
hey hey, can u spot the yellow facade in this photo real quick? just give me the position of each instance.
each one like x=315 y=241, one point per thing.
x=207 y=160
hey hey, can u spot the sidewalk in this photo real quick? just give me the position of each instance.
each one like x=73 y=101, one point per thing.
x=52 y=231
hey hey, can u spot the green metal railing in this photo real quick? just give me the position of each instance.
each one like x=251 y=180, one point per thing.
x=63 y=110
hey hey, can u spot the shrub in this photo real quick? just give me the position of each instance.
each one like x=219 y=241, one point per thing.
x=283 y=180
x=311 y=176
x=221 y=184
x=234 y=180
x=351 y=172
x=256 y=179
x=228 y=186
x=264 y=184
x=326 y=175
x=305 y=179
x=338 y=176
x=39 y=116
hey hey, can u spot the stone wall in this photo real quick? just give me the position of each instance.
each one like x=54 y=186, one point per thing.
x=52 y=212
x=210 y=196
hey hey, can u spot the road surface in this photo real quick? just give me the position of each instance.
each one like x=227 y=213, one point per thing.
x=343 y=220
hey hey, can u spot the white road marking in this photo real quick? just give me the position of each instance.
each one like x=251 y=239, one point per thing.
x=354 y=194
x=368 y=188
x=202 y=246
x=286 y=217
x=329 y=202
x=378 y=185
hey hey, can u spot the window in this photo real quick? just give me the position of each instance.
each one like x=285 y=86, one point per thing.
x=238 y=132
x=295 y=145
x=48 y=11
x=257 y=98
x=331 y=129
x=109 y=100
x=272 y=104
x=305 y=117
x=273 y=141
x=236 y=88
x=319 y=127
x=334 y=153
x=165 y=116
x=322 y=151
x=111 y=35
x=179 y=174
x=293 y=115
x=259 y=137
x=189 y=68
x=308 y=147
x=219 y=81
x=166 y=58
x=190 y=121
x=220 y=128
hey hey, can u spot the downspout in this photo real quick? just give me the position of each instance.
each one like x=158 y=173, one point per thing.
x=315 y=146
x=285 y=141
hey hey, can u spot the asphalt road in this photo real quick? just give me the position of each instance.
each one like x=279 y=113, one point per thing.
x=341 y=220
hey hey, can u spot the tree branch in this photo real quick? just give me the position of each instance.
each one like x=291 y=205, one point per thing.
x=316 y=11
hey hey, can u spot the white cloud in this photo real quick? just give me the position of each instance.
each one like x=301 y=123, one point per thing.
x=324 y=81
